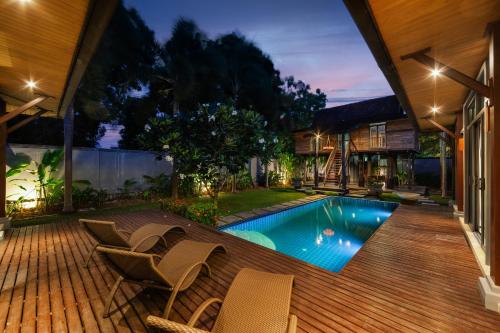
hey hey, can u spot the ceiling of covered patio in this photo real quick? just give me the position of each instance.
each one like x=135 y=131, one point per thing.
x=41 y=45
x=453 y=30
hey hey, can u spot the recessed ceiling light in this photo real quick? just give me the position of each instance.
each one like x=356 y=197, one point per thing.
x=31 y=84
x=435 y=72
x=434 y=109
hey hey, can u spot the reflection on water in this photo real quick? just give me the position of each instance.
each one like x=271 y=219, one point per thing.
x=326 y=233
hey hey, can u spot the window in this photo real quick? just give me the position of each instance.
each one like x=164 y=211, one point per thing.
x=377 y=135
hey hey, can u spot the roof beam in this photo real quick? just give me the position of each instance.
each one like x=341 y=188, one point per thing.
x=25 y=121
x=457 y=76
x=8 y=116
x=439 y=126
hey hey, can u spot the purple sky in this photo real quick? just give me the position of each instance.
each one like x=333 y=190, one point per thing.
x=315 y=41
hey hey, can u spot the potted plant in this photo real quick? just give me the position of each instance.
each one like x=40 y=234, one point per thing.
x=375 y=185
x=297 y=182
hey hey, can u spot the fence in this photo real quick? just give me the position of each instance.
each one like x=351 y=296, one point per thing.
x=106 y=169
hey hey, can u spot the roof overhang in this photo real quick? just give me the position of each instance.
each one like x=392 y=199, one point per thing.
x=49 y=42
x=453 y=30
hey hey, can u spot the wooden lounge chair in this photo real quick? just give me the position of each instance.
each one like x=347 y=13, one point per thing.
x=174 y=272
x=255 y=302
x=141 y=240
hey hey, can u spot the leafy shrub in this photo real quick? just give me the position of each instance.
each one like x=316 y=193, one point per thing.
x=178 y=206
x=157 y=185
x=331 y=193
x=392 y=197
x=274 y=178
x=203 y=212
x=244 y=180
x=310 y=192
x=440 y=200
x=187 y=186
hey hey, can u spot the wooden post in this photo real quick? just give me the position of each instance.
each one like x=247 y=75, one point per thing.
x=344 y=166
x=3 y=161
x=495 y=156
x=442 y=160
x=316 y=152
x=459 y=174
x=69 y=118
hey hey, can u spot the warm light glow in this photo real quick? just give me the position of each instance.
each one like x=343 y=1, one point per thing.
x=435 y=72
x=31 y=84
x=318 y=135
x=24 y=1
x=434 y=109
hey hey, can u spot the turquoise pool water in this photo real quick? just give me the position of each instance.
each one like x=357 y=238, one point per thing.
x=325 y=233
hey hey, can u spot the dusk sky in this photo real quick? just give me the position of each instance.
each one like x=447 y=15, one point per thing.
x=315 y=41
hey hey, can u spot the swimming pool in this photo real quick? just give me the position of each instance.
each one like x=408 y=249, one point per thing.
x=326 y=233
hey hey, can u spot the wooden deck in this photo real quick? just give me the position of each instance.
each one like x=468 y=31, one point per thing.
x=415 y=274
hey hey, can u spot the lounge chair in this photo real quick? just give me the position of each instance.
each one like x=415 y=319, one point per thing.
x=255 y=302
x=174 y=272
x=141 y=240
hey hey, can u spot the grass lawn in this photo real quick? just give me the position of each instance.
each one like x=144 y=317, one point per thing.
x=230 y=203
x=439 y=199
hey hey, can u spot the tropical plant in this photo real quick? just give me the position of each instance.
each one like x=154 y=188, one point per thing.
x=158 y=185
x=212 y=143
x=48 y=187
x=127 y=187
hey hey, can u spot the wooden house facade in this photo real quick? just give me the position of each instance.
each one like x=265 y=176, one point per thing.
x=381 y=142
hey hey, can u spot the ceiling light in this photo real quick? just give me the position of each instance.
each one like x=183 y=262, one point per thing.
x=31 y=84
x=434 y=109
x=24 y=1
x=435 y=72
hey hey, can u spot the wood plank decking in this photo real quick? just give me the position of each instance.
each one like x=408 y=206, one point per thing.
x=416 y=274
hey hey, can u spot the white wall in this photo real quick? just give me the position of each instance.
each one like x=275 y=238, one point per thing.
x=105 y=168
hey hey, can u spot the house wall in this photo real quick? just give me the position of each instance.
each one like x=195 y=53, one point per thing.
x=400 y=136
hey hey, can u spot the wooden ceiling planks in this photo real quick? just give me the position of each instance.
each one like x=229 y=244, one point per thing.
x=38 y=41
x=455 y=31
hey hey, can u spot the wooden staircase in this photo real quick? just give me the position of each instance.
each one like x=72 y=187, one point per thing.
x=333 y=168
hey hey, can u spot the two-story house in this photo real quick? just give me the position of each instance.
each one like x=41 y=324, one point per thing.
x=381 y=142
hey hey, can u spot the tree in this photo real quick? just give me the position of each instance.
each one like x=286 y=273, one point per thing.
x=245 y=75
x=213 y=142
x=299 y=104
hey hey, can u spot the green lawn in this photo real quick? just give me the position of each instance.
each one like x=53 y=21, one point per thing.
x=230 y=203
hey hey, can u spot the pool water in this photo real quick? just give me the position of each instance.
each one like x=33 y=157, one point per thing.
x=326 y=233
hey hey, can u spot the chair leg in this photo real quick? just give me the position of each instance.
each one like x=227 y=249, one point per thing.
x=170 y=303
x=111 y=295
x=164 y=241
x=86 y=265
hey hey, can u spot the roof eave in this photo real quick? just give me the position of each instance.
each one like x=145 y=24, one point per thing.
x=99 y=14
x=362 y=15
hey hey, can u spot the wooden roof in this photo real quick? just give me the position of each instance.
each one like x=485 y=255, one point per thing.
x=46 y=41
x=455 y=32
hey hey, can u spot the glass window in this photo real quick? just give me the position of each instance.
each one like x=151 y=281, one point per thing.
x=377 y=136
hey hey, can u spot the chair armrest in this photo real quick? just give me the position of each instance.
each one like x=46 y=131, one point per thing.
x=179 y=284
x=139 y=243
x=124 y=231
x=203 y=306
x=292 y=324
x=171 y=326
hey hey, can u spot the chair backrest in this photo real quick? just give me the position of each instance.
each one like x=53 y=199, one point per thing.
x=104 y=232
x=134 y=265
x=256 y=302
